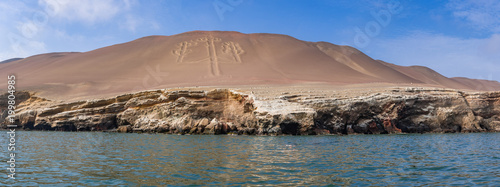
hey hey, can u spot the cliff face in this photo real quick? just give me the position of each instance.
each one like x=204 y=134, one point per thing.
x=223 y=111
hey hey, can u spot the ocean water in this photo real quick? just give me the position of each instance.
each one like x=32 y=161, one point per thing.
x=113 y=159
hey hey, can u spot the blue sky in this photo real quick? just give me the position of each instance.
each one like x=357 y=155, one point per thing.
x=454 y=37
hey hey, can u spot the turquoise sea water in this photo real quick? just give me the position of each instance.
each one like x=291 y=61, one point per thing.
x=110 y=159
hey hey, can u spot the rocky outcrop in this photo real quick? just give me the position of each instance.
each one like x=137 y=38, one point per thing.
x=223 y=111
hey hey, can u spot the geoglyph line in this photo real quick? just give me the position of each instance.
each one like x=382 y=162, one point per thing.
x=235 y=49
x=232 y=48
x=182 y=51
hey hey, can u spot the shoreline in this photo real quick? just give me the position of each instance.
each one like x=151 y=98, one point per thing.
x=112 y=131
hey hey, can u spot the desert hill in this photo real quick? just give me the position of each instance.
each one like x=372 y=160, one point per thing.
x=213 y=58
x=233 y=83
x=10 y=60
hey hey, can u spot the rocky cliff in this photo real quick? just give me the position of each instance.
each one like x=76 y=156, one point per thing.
x=225 y=111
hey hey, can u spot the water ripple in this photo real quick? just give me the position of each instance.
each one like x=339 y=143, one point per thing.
x=88 y=159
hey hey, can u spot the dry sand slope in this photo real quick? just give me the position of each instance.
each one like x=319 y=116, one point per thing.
x=214 y=58
x=233 y=83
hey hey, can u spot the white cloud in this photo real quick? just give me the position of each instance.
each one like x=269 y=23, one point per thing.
x=491 y=46
x=20 y=33
x=88 y=11
x=451 y=56
x=480 y=14
x=131 y=23
x=155 y=25
x=41 y=27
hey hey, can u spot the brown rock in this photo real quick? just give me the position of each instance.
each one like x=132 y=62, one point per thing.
x=124 y=128
x=223 y=111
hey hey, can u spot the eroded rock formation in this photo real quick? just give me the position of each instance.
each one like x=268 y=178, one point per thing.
x=223 y=111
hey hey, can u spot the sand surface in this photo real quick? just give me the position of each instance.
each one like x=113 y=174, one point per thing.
x=217 y=59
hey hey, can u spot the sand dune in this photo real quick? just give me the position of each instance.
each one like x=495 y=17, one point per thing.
x=10 y=60
x=477 y=84
x=211 y=58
